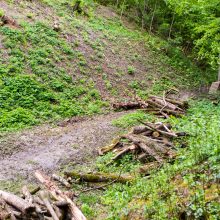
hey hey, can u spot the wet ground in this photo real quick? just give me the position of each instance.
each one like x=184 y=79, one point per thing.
x=48 y=147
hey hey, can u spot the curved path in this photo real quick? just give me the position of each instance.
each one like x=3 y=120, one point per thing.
x=48 y=147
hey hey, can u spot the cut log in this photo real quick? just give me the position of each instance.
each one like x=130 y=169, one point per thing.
x=61 y=204
x=151 y=152
x=139 y=129
x=19 y=203
x=165 y=104
x=155 y=134
x=59 y=212
x=142 y=156
x=44 y=195
x=76 y=214
x=130 y=105
x=152 y=147
x=179 y=103
x=61 y=180
x=99 y=177
x=144 y=146
x=27 y=195
x=115 y=143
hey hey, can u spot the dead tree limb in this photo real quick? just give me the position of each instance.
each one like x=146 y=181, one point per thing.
x=98 y=177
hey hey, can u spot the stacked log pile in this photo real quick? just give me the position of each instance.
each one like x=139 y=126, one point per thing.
x=148 y=142
x=48 y=203
x=160 y=106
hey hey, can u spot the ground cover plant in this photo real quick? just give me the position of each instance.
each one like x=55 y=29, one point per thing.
x=185 y=189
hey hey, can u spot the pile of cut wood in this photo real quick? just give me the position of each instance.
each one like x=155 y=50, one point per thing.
x=46 y=202
x=161 y=106
x=149 y=142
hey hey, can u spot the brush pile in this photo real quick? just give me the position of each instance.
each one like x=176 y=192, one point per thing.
x=149 y=142
x=46 y=202
x=160 y=106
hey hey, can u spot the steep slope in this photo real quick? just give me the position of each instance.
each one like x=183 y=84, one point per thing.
x=48 y=73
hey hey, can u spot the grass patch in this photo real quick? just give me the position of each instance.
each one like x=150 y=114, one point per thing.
x=131 y=119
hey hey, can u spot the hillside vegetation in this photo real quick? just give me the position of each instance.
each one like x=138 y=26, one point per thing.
x=90 y=60
x=56 y=63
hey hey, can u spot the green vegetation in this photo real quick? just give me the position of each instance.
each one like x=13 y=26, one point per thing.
x=96 y=56
x=47 y=75
x=188 y=187
x=34 y=84
x=192 y=25
x=131 y=119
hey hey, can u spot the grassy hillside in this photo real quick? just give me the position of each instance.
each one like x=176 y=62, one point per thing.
x=91 y=60
x=46 y=75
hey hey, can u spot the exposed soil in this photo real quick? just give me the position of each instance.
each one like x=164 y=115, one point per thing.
x=47 y=147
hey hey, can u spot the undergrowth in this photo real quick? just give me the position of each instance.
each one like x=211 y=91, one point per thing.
x=45 y=76
x=34 y=85
x=185 y=189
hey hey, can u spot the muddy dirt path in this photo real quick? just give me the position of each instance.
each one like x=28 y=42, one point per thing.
x=47 y=147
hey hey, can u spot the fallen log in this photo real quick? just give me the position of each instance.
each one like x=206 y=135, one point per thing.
x=165 y=104
x=179 y=103
x=61 y=180
x=115 y=143
x=129 y=105
x=17 y=202
x=150 y=146
x=122 y=152
x=148 y=167
x=99 y=177
x=139 y=129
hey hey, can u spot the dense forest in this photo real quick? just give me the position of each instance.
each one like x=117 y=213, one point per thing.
x=109 y=109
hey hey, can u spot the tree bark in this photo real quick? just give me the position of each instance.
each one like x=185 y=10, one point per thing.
x=99 y=177
x=22 y=205
x=76 y=214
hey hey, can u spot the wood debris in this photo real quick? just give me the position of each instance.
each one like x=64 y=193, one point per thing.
x=161 y=106
x=97 y=177
x=150 y=142
x=47 y=202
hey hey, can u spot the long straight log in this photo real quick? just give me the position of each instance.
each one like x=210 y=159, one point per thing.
x=139 y=129
x=22 y=205
x=99 y=177
x=179 y=103
x=166 y=104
